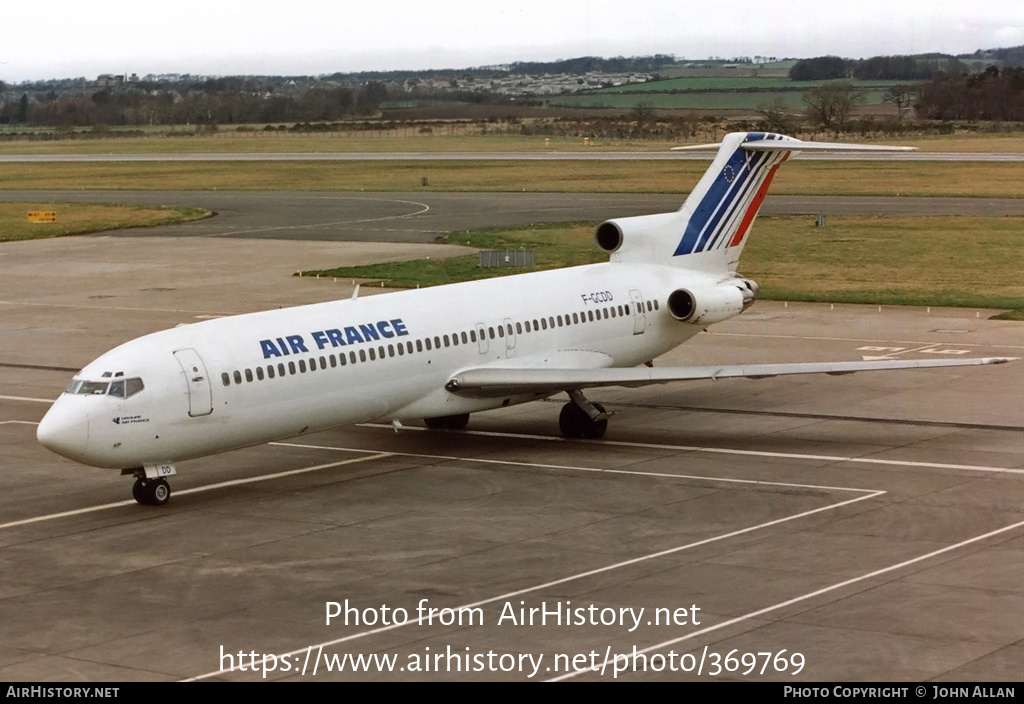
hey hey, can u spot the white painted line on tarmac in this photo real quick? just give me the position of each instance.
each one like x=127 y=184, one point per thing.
x=728 y=451
x=20 y=422
x=575 y=468
x=811 y=595
x=196 y=490
x=581 y=575
x=26 y=398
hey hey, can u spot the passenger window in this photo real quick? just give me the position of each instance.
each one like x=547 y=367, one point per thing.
x=248 y=375
x=447 y=342
x=352 y=356
x=551 y=322
x=312 y=364
x=323 y=362
x=373 y=355
x=238 y=377
x=419 y=345
x=465 y=338
x=655 y=304
x=341 y=359
x=437 y=342
x=519 y=328
x=559 y=321
x=259 y=373
x=408 y=346
x=391 y=350
x=280 y=368
x=527 y=326
x=490 y=333
x=401 y=350
x=544 y=323
x=501 y=331
x=334 y=361
x=472 y=335
x=291 y=368
x=362 y=355
x=302 y=366
x=270 y=371
x=508 y=329
x=225 y=378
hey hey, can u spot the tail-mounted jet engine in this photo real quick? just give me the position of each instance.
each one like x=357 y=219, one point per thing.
x=705 y=305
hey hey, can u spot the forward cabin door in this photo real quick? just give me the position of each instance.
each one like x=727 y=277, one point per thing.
x=200 y=393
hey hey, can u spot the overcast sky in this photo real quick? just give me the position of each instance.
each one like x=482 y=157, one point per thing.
x=58 y=39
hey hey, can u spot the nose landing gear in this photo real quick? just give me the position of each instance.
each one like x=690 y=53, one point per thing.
x=154 y=492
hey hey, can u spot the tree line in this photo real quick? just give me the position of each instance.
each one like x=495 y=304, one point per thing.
x=885 y=68
x=222 y=101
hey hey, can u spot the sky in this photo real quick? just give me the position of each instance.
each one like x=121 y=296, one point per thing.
x=64 y=38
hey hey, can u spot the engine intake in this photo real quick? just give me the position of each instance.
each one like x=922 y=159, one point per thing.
x=712 y=304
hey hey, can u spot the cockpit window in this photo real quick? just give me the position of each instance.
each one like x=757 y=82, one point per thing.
x=87 y=388
x=122 y=388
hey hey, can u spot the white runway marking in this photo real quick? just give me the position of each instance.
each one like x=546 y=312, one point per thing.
x=520 y=463
x=20 y=422
x=26 y=398
x=811 y=595
x=867 y=494
x=196 y=490
x=728 y=451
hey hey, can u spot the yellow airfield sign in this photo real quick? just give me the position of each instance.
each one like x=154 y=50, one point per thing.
x=42 y=216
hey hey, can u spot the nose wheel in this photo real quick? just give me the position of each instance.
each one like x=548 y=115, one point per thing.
x=152 y=492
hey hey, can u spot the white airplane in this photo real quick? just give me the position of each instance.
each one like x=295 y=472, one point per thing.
x=440 y=354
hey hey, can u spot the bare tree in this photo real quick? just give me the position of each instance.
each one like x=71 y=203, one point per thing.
x=829 y=104
x=778 y=117
x=901 y=96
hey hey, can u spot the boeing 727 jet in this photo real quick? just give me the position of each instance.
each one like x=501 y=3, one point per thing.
x=442 y=353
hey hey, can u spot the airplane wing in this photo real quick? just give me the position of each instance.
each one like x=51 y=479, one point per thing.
x=490 y=382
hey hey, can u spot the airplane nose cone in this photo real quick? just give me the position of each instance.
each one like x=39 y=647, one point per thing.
x=64 y=430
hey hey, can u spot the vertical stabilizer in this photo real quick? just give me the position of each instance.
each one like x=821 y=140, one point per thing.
x=708 y=232
x=720 y=210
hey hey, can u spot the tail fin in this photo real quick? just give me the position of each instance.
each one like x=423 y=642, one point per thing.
x=708 y=232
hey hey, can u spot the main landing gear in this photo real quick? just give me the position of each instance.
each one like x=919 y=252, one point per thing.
x=582 y=419
x=456 y=422
x=154 y=492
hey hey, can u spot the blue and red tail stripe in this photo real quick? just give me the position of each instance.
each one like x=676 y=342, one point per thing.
x=725 y=212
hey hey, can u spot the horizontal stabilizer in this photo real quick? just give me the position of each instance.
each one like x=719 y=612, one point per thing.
x=490 y=382
x=796 y=145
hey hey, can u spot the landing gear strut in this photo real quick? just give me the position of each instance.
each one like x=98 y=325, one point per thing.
x=456 y=422
x=154 y=492
x=582 y=419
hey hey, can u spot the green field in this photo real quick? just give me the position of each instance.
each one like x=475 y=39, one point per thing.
x=736 y=83
x=924 y=261
x=83 y=218
x=703 y=100
x=997 y=180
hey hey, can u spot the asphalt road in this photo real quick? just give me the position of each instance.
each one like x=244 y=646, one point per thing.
x=423 y=216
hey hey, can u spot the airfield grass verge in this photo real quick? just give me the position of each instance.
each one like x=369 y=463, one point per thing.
x=974 y=179
x=959 y=261
x=84 y=218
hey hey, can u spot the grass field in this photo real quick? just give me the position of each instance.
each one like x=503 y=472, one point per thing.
x=925 y=261
x=722 y=83
x=81 y=218
x=798 y=178
x=231 y=142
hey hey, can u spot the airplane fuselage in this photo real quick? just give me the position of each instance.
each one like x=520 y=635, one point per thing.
x=233 y=382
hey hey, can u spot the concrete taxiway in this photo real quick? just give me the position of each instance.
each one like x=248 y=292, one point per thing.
x=864 y=527
x=424 y=216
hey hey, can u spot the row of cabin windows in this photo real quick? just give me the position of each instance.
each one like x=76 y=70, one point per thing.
x=401 y=349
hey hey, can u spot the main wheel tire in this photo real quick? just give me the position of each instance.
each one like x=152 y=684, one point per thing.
x=456 y=422
x=570 y=420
